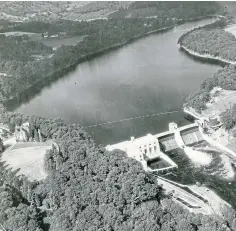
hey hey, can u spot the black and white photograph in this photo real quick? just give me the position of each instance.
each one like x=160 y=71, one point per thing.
x=117 y=115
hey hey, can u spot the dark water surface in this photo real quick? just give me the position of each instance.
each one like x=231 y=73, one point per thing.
x=148 y=76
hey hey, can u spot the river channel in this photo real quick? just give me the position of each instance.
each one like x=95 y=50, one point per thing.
x=149 y=76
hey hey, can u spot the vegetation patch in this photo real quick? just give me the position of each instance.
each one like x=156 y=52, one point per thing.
x=224 y=78
x=32 y=63
x=88 y=188
x=28 y=159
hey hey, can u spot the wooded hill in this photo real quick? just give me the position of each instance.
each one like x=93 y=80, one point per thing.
x=88 y=188
x=24 y=62
x=214 y=41
x=224 y=78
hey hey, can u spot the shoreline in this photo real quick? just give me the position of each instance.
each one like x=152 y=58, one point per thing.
x=37 y=86
x=206 y=56
x=217 y=138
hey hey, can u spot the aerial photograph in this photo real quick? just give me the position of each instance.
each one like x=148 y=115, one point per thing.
x=118 y=115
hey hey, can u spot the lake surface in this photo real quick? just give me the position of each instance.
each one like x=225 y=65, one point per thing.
x=148 y=76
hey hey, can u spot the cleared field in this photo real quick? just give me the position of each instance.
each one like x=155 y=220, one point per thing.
x=28 y=158
x=53 y=42
x=17 y=33
x=231 y=29
x=57 y=42
x=218 y=104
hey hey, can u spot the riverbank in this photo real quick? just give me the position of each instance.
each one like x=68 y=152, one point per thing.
x=219 y=138
x=38 y=85
x=207 y=57
x=100 y=77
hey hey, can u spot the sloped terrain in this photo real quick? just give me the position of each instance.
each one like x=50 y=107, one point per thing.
x=28 y=158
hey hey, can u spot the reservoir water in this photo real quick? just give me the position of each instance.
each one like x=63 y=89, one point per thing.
x=149 y=76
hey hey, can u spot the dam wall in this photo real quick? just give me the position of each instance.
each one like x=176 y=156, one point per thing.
x=150 y=149
x=191 y=137
x=168 y=142
x=179 y=139
x=207 y=137
x=176 y=136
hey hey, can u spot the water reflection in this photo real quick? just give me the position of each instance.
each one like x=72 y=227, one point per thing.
x=148 y=76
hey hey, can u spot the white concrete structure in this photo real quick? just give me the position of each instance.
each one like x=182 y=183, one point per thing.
x=174 y=127
x=197 y=199
x=22 y=132
x=148 y=147
x=136 y=148
x=201 y=122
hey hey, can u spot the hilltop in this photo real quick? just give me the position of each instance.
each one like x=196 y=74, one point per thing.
x=47 y=11
x=88 y=10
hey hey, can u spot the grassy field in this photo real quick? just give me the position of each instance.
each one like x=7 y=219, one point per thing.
x=17 y=33
x=218 y=104
x=28 y=158
x=57 y=42
x=231 y=29
x=52 y=42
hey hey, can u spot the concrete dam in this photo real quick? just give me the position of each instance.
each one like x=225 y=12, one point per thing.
x=191 y=136
x=151 y=150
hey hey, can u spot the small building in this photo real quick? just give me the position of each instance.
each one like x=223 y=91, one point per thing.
x=210 y=122
x=213 y=121
x=22 y=132
x=173 y=126
x=146 y=150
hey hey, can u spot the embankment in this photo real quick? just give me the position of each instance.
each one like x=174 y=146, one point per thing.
x=207 y=57
x=36 y=87
x=24 y=95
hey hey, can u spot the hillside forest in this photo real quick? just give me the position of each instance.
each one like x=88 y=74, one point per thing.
x=25 y=61
x=212 y=39
x=88 y=10
x=88 y=188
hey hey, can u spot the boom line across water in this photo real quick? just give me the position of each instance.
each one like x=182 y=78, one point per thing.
x=131 y=118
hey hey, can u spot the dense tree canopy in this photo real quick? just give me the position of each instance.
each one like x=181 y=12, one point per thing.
x=25 y=63
x=211 y=39
x=88 y=188
x=180 y=9
x=28 y=62
x=224 y=78
x=216 y=42
x=228 y=118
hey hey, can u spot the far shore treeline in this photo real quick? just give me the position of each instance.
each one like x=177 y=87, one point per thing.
x=87 y=188
x=29 y=62
x=212 y=39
